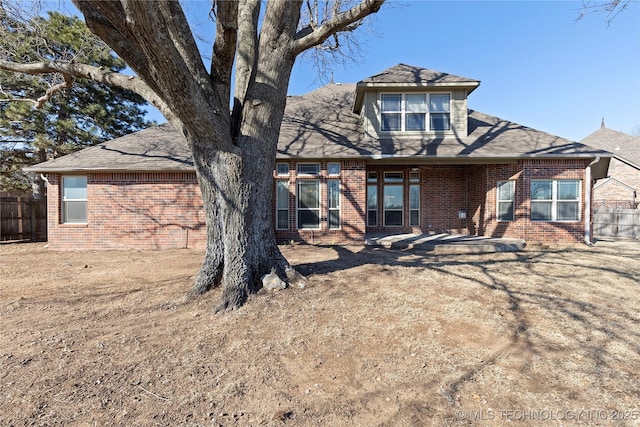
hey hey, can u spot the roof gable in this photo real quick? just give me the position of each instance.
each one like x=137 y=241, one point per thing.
x=322 y=125
x=404 y=76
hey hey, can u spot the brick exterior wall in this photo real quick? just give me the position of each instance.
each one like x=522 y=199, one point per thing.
x=618 y=193
x=164 y=210
x=352 y=204
x=484 y=222
x=131 y=210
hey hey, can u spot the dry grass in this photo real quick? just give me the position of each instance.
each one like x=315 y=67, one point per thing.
x=379 y=338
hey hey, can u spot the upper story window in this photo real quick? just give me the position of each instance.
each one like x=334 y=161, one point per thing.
x=415 y=112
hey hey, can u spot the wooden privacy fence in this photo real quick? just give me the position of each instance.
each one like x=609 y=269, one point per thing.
x=617 y=223
x=22 y=218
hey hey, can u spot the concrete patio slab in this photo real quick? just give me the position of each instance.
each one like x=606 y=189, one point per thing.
x=445 y=243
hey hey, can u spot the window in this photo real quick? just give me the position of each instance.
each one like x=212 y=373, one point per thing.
x=282 y=205
x=333 y=190
x=282 y=169
x=309 y=204
x=439 y=111
x=415 y=112
x=414 y=205
x=393 y=205
x=553 y=200
x=74 y=199
x=506 y=192
x=393 y=177
x=372 y=205
x=308 y=168
x=333 y=169
x=372 y=177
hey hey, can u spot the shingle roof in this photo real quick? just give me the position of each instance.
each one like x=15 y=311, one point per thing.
x=408 y=74
x=403 y=75
x=321 y=124
x=159 y=148
x=618 y=143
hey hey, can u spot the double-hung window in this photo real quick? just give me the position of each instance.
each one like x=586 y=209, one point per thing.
x=74 y=199
x=506 y=200
x=415 y=112
x=555 y=200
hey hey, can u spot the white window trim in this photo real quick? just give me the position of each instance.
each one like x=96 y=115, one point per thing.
x=554 y=201
x=319 y=208
x=427 y=113
x=512 y=201
x=65 y=200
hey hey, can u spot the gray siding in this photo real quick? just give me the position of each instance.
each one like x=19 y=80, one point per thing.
x=371 y=113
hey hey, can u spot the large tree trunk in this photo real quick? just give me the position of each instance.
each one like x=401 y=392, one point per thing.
x=234 y=152
x=237 y=192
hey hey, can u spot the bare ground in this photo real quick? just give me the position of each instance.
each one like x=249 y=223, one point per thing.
x=546 y=336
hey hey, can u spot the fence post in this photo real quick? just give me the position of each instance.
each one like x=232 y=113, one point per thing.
x=34 y=223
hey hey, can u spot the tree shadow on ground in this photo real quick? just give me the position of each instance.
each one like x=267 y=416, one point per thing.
x=550 y=282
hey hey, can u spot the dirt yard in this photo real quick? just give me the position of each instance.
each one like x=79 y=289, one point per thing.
x=547 y=336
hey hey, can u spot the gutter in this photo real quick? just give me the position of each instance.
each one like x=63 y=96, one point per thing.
x=588 y=239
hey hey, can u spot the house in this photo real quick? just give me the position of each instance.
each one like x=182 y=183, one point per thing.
x=397 y=152
x=621 y=188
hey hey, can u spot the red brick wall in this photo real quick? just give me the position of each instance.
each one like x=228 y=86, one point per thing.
x=132 y=210
x=484 y=219
x=164 y=210
x=352 y=205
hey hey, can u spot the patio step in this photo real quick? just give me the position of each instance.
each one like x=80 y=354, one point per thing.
x=445 y=243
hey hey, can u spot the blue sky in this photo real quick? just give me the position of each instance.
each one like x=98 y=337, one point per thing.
x=537 y=65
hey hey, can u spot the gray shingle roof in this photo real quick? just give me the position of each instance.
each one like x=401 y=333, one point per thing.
x=618 y=143
x=159 y=148
x=321 y=124
x=403 y=75
x=408 y=74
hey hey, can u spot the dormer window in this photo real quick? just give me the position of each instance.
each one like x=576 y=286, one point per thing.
x=415 y=112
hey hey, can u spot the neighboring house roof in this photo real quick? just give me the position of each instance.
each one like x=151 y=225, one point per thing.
x=620 y=144
x=612 y=181
x=322 y=124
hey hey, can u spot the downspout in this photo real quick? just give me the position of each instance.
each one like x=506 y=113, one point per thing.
x=587 y=204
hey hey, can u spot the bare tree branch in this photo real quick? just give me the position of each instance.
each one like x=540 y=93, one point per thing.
x=612 y=8
x=309 y=37
x=71 y=70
